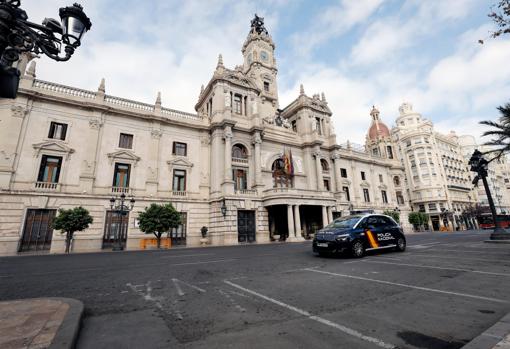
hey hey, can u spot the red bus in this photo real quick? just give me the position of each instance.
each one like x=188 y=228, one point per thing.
x=485 y=221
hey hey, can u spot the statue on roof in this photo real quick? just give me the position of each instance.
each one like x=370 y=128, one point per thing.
x=257 y=25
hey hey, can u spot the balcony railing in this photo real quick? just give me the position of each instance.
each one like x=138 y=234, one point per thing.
x=179 y=193
x=46 y=186
x=240 y=160
x=120 y=190
x=246 y=192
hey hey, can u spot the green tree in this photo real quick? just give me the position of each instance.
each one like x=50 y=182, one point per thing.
x=158 y=219
x=500 y=133
x=70 y=221
x=418 y=219
x=393 y=214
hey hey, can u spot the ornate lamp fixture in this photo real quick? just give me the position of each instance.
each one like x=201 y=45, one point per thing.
x=57 y=40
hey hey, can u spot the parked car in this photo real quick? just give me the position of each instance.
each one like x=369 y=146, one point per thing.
x=359 y=233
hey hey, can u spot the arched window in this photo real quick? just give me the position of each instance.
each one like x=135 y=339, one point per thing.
x=239 y=151
x=281 y=178
x=324 y=165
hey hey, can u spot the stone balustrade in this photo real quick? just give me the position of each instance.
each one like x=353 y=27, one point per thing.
x=62 y=89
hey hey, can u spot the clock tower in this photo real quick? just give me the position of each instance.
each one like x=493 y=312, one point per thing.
x=259 y=61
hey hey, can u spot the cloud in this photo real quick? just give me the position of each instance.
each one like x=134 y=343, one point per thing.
x=333 y=21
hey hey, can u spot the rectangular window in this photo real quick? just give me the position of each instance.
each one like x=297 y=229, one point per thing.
x=381 y=178
x=366 y=195
x=400 y=198
x=294 y=126
x=318 y=125
x=326 y=185
x=237 y=104
x=240 y=179
x=384 y=196
x=363 y=177
x=432 y=207
x=121 y=175
x=180 y=149
x=126 y=141
x=421 y=208
x=179 y=183
x=343 y=173
x=389 y=150
x=266 y=86
x=57 y=131
x=49 y=171
x=347 y=194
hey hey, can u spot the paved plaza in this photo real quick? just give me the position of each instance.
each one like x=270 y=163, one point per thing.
x=445 y=290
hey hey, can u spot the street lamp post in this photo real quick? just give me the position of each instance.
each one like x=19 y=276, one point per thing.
x=480 y=166
x=121 y=209
x=18 y=35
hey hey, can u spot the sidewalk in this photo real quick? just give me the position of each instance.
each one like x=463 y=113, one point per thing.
x=40 y=323
x=496 y=337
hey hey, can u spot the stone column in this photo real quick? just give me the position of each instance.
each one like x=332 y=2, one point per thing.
x=257 y=141
x=216 y=173
x=290 y=221
x=228 y=153
x=324 y=216
x=330 y=214
x=297 y=221
x=335 y=180
x=320 y=179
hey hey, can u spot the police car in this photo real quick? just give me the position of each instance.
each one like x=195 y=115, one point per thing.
x=359 y=233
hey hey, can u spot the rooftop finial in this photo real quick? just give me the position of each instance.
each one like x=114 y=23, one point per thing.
x=220 y=61
x=374 y=113
x=102 y=86
x=301 y=90
x=31 y=69
x=158 y=99
x=323 y=97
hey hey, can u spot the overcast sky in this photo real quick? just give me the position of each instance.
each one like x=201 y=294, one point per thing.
x=358 y=52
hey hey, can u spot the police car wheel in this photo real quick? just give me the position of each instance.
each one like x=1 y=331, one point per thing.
x=401 y=244
x=357 y=249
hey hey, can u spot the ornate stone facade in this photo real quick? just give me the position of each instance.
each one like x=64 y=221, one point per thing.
x=62 y=147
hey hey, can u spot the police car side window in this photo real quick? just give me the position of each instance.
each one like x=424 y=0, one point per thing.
x=388 y=222
x=372 y=221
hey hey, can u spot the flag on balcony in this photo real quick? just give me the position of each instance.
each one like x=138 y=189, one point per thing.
x=287 y=161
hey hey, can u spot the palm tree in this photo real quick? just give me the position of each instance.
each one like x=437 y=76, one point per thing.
x=500 y=133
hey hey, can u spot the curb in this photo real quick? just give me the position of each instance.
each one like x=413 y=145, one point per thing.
x=491 y=337
x=67 y=333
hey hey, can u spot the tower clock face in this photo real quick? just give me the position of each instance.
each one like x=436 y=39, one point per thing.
x=264 y=56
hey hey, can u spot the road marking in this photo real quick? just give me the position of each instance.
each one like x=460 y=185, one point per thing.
x=343 y=329
x=187 y=255
x=232 y=301
x=180 y=292
x=204 y=262
x=451 y=257
x=410 y=286
x=466 y=251
x=440 y=268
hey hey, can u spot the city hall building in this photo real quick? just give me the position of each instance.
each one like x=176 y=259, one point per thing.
x=250 y=170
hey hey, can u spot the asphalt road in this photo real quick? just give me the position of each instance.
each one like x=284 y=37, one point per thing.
x=443 y=291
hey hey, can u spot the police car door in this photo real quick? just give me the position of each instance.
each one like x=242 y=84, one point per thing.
x=372 y=230
x=387 y=236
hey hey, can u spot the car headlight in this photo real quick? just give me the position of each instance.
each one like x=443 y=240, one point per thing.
x=342 y=237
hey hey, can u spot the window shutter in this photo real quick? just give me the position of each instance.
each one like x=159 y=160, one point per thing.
x=58 y=169
x=40 y=177
x=64 y=132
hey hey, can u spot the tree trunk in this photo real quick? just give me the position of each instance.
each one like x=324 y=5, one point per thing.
x=69 y=236
x=159 y=240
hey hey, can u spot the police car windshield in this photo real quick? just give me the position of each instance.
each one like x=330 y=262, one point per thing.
x=345 y=222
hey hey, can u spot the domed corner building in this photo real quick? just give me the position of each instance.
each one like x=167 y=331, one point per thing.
x=247 y=168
